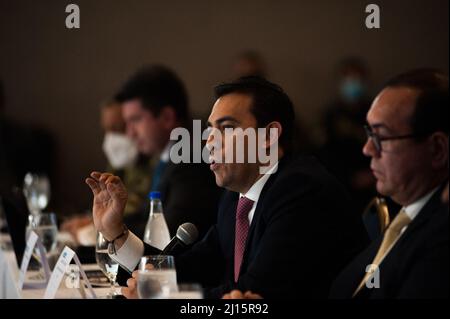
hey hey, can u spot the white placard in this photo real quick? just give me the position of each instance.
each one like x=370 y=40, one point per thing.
x=33 y=240
x=8 y=287
x=60 y=269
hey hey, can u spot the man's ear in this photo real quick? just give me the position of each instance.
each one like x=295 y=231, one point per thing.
x=273 y=133
x=439 y=150
x=168 y=117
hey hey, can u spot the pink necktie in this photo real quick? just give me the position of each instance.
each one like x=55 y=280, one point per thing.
x=242 y=225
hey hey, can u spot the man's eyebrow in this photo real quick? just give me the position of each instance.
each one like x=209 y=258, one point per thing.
x=134 y=117
x=380 y=125
x=224 y=119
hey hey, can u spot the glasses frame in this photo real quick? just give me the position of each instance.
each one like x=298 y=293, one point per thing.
x=377 y=139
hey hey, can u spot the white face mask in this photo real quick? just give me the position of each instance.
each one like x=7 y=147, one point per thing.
x=120 y=150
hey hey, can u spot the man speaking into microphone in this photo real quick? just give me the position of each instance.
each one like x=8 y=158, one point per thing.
x=283 y=233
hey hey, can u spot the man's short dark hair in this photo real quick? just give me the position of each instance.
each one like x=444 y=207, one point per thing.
x=156 y=86
x=431 y=110
x=269 y=103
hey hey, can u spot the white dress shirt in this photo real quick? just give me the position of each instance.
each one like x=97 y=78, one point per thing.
x=412 y=210
x=256 y=189
x=132 y=250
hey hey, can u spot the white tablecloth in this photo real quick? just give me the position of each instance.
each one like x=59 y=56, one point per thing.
x=8 y=288
x=66 y=293
x=8 y=283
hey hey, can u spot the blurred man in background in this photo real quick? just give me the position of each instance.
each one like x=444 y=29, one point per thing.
x=124 y=160
x=154 y=102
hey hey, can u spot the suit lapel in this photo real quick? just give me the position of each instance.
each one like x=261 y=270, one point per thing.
x=257 y=215
x=424 y=215
x=229 y=223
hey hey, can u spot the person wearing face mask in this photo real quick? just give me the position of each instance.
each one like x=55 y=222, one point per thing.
x=123 y=159
x=342 y=121
x=120 y=150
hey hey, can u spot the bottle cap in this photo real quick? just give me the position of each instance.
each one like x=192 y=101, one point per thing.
x=154 y=195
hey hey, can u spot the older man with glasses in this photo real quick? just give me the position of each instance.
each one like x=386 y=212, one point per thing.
x=408 y=144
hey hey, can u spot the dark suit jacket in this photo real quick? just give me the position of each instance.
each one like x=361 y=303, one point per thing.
x=416 y=267
x=302 y=234
x=188 y=194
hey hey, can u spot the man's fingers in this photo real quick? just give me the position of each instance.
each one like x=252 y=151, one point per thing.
x=93 y=185
x=130 y=292
x=116 y=189
x=111 y=179
x=149 y=267
x=226 y=296
x=251 y=295
x=104 y=177
x=96 y=175
x=100 y=177
x=236 y=294
x=102 y=180
x=131 y=283
x=127 y=293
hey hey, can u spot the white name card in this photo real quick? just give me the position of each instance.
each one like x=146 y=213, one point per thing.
x=33 y=240
x=60 y=269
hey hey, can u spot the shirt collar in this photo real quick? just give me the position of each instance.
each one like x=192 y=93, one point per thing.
x=413 y=209
x=254 y=191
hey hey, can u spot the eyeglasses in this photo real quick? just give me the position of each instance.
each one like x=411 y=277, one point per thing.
x=377 y=139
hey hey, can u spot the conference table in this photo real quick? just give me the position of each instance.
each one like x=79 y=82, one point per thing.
x=31 y=290
x=68 y=293
x=35 y=288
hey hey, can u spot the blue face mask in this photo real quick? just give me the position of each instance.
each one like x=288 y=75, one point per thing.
x=351 y=89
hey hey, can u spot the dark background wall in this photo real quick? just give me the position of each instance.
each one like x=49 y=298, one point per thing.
x=56 y=77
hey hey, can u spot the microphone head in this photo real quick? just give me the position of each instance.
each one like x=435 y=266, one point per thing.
x=187 y=233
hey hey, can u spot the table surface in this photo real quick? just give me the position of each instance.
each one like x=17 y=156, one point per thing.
x=68 y=293
x=63 y=292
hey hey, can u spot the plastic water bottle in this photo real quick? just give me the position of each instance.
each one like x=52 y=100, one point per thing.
x=156 y=232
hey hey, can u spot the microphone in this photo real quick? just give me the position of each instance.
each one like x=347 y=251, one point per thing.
x=187 y=234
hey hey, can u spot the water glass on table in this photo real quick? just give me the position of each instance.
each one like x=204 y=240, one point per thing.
x=188 y=291
x=157 y=277
x=109 y=266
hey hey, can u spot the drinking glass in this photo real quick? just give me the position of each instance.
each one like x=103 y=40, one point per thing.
x=45 y=226
x=157 y=277
x=188 y=291
x=109 y=266
x=36 y=188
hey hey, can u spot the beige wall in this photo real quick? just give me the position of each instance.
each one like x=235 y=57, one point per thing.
x=56 y=77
